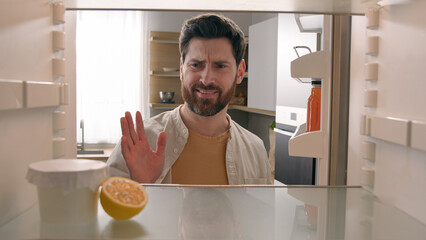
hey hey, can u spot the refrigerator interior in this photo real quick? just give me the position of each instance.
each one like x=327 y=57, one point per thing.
x=387 y=118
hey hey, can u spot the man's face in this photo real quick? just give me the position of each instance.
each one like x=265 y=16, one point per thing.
x=209 y=75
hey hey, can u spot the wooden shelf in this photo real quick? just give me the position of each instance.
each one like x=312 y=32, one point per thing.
x=165 y=74
x=231 y=107
x=164 y=105
x=165 y=37
x=159 y=40
x=164 y=53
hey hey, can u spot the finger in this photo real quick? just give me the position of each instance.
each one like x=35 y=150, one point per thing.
x=139 y=126
x=124 y=127
x=161 y=144
x=133 y=135
x=124 y=147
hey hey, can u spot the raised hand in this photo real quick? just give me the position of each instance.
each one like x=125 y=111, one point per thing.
x=144 y=164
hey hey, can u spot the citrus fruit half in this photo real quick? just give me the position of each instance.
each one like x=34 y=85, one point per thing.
x=122 y=198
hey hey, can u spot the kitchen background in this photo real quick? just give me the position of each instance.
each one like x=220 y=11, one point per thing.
x=399 y=167
x=118 y=92
x=150 y=47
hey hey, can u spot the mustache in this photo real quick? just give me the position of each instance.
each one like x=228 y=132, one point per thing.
x=204 y=87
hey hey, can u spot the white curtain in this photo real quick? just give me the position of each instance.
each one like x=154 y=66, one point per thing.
x=111 y=71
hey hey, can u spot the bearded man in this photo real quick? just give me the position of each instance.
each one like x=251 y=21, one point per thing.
x=197 y=142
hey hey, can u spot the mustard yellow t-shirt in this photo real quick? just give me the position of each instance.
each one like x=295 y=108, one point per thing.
x=202 y=161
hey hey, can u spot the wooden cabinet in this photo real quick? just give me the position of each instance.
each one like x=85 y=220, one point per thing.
x=163 y=58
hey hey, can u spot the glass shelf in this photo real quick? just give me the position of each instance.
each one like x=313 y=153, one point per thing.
x=249 y=212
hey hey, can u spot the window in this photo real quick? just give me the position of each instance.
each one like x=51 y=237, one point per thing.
x=111 y=71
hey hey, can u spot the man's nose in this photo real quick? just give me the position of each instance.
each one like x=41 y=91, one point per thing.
x=207 y=76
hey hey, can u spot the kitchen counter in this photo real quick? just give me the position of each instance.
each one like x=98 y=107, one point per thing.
x=102 y=157
x=251 y=212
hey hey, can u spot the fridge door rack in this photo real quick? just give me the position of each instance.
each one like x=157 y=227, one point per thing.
x=305 y=69
x=306 y=144
x=309 y=66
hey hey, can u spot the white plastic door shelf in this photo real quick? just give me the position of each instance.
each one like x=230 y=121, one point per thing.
x=311 y=144
x=370 y=98
x=303 y=144
x=368 y=151
x=16 y=94
x=11 y=94
x=58 y=147
x=371 y=71
x=58 y=68
x=59 y=120
x=312 y=65
x=58 y=13
x=58 y=38
x=418 y=135
x=367 y=177
x=41 y=94
x=390 y=129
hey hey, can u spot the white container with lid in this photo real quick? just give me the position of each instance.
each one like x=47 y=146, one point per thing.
x=68 y=188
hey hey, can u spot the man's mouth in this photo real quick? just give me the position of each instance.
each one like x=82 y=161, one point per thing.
x=206 y=93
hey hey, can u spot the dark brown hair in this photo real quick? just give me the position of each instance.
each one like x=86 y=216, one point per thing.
x=212 y=26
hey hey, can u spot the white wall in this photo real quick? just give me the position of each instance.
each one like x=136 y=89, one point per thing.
x=400 y=171
x=291 y=93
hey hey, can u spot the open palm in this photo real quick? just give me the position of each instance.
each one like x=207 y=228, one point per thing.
x=144 y=164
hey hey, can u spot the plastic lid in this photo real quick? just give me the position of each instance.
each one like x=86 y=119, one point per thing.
x=68 y=173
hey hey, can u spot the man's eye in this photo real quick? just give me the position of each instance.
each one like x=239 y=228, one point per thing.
x=195 y=65
x=221 y=66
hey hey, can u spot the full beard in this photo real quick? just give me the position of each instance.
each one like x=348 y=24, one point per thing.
x=207 y=107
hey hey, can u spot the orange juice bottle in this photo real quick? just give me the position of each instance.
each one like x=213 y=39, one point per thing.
x=314 y=107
